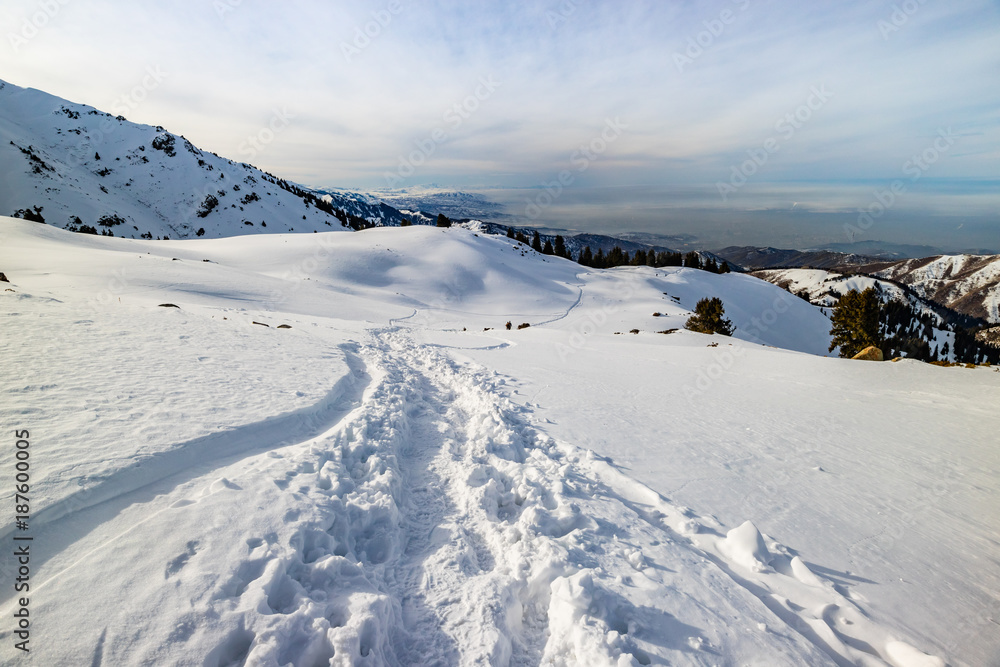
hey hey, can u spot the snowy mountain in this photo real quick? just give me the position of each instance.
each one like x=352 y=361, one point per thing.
x=79 y=168
x=328 y=449
x=455 y=205
x=969 y=284
x=752 y=258
x=917 y=326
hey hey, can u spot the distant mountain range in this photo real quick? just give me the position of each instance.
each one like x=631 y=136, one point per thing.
x=75 y=167
x=969 y=284
x=753 y=258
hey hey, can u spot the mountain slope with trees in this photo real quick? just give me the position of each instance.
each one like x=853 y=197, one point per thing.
x=78 y=168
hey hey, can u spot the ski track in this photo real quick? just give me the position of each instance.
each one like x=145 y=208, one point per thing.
x=195 y=454
x=444 y=529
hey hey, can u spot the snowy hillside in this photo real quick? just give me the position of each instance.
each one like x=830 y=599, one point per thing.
x=922 y=321
x=80 y=168
x=327 y=449
x=824 y=288
x=967 y=283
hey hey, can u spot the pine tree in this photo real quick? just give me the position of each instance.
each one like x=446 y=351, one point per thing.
x=405 y=222
x=536 y=242
x=510 y=232
x=587 y=256
x=692 y=260
x=725 y=269
x=617 y=257
x=856 y=322
x=640 y=258
x=443 y=220
x=547 y=249
x=709 y=318
x=561 y=247
x=599 y=260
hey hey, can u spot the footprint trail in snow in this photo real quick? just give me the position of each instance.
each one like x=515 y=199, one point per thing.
x=435 y=526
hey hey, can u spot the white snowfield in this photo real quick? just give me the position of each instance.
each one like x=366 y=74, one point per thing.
x=387 y=482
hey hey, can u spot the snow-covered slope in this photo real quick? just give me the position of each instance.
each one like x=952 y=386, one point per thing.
x=967 y=283
x=80 y=166
x=398 y=479
x=824 y=288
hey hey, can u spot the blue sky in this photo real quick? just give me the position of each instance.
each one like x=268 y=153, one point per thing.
x=829 y=97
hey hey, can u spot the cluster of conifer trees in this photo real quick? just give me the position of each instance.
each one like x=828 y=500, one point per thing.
x=861 y=319
x=617 y=256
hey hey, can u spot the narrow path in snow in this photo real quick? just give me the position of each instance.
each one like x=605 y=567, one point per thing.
x=435 y=525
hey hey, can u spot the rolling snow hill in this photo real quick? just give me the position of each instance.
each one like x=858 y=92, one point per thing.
x=327 y=449
x=78 y=168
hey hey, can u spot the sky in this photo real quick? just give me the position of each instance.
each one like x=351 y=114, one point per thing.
x=728 y=107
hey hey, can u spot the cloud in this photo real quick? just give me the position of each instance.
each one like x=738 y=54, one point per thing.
x=366 y=80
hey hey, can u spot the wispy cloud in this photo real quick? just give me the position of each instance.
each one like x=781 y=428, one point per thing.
x=565 y=66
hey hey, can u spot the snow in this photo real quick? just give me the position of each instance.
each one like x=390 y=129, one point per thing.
x=87 y=164
x=398 y=479
x=954 y=279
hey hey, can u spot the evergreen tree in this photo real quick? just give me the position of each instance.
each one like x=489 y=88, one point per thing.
x=521 y=238
x=692 y=260
x=725 y=269
x=640 y=258
x=651 y=258
x=536 y=242
x=587 y=256
x=443 y=220
x=856 y=322
x=561 y=247
x=709 y=318
x=547 y=249
x=510 y=232
x=710 y=265
x=599 y=260
x=405 y=222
